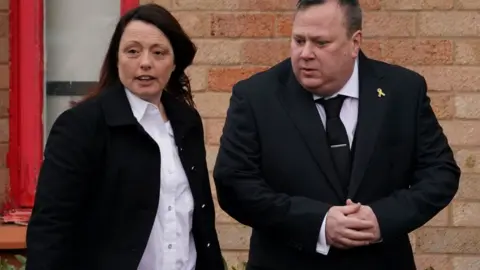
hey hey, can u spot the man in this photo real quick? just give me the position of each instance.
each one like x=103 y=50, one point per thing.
x=331 y=157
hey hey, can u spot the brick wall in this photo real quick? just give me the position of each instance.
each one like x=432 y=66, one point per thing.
x=438 y=38
x=4 y=83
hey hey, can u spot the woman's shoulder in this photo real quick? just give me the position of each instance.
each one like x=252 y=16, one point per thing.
x=87 y=110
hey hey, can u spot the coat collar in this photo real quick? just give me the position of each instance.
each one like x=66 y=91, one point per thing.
x=118 y=111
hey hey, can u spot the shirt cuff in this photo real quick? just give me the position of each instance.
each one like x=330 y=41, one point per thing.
x=322 y=246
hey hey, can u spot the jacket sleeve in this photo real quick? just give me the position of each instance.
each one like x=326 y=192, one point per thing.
x=244 y=194
x=435 y=178
x=61 y=193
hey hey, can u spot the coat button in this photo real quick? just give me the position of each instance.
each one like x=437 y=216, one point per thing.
x=203 y=205
x=208 y=245
x=192 y=168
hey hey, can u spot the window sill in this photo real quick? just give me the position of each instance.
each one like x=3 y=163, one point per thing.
x=12 y=237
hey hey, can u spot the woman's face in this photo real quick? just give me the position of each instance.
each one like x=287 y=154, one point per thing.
x=145 y=60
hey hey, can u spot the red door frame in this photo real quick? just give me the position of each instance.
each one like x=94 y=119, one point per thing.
x=25 y=152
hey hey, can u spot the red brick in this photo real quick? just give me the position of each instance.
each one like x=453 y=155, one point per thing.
x=198 y=77
x=163 y=3
x=4 y=57
x=466 y=214
x=4 y=4
x=418 y=52
x=468 y=160
x=4 y=130
x=467 y=106
x=218 y=52
x=451 y=23
x=212 y=104
x=443 y=105
x=467 y=52
x=469 y=188
x=450 y=77
x=4 y=181
x=3 y=154
x=4 y=30
x=243 y=25
x=235 y=259
x=4 y=76
x=267 y=5
x=283 y=26
x=466 y=262
x=214 y=129
x=205 y=4
x=448 y=240
x=417 y=4
x=195 y=24
x=467 y=4
x=372 y=48
x=463 y=133
x=438 y=262
x=4 y=103
x=265 y=52
x=233 y=237
x=212 y=152
x=370 y=4
x=223 y=78
x=392 y=24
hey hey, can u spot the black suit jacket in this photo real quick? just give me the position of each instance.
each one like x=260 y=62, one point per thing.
x=274 y=173
x=98 y=188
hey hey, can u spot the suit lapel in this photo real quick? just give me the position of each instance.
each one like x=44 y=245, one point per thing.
x=371 y=111
x=301 y=107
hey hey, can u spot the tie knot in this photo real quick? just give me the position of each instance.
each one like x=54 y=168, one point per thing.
x=332 y=106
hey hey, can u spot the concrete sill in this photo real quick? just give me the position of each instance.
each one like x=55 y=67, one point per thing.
x=12 y=237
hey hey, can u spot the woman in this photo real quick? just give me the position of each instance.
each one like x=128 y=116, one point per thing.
x=124 y=183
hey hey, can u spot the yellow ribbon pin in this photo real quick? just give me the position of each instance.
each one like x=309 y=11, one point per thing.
x=380 y=92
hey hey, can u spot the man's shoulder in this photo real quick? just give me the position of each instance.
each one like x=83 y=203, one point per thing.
x=397 y=72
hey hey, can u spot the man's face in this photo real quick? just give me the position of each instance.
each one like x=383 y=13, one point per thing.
x=322 y=53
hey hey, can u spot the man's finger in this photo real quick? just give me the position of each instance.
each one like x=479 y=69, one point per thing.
x=349 y=243
x=358 y=224
x=366 y=236
x=350 y=202
x=350 y=209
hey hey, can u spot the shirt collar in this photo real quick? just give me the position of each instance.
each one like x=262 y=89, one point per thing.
x=350 y=89
x=139 y=106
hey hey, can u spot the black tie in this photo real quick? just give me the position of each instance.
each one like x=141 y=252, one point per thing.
x=337 y=138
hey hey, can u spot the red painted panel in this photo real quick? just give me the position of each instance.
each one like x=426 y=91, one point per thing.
x=26 y=100
x=126 y=5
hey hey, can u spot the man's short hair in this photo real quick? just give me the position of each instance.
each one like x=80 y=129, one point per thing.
x=353 y=12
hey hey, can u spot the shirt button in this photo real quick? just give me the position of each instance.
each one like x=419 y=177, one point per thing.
x=169 y=208
x=170 y=246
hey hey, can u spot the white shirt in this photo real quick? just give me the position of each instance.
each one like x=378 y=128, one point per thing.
x=170 y=245
x=349 y=116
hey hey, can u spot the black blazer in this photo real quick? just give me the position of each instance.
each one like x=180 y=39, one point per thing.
x=98 y=188
x=274 y=173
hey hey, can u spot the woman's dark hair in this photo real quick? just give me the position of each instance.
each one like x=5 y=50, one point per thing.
x=183 y=48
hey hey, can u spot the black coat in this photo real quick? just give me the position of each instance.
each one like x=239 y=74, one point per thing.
x=274 y=172
x=98 y=188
